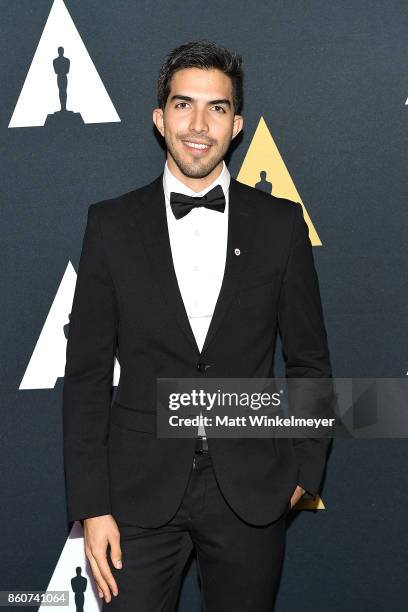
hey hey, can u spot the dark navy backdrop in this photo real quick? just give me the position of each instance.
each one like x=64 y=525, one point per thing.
x=330 y=81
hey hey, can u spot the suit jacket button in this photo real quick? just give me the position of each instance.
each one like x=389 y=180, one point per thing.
x=202 y=367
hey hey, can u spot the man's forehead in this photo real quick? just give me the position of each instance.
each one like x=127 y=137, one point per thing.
x=201 y=83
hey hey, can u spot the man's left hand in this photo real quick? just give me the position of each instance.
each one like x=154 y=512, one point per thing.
x=299 y=491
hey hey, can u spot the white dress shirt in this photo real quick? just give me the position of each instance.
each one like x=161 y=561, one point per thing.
x=199 y=247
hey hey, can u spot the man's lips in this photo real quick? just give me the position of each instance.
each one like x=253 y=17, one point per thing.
x=196 y=147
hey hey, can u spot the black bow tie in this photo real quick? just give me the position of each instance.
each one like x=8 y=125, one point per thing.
x=182 y=204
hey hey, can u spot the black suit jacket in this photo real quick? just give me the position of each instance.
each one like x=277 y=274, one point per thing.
x=127 y=302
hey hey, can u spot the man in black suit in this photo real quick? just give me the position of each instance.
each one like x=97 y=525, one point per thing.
x=184 y=287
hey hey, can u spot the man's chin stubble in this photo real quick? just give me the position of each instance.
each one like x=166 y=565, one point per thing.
x=196 y=170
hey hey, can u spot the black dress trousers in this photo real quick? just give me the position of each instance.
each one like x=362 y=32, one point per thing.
x=239 y=564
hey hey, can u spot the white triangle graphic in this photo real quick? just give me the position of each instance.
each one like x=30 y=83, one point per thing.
x=47 y=362
x=86 y=93
x=72 y=557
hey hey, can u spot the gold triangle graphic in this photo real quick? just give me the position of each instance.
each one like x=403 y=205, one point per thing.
x=310 y=504
x=263 y=155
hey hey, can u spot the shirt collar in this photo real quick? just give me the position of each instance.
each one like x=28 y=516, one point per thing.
x=171 y=183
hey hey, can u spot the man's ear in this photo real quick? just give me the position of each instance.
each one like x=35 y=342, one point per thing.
x=158 y=120
x=238 y=125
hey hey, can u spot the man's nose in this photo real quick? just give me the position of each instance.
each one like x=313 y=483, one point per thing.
x=199 y=122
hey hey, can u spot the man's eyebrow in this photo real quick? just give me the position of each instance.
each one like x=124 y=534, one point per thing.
x=189 y=99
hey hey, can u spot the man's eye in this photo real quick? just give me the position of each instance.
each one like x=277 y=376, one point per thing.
x=177 y=105
x=220 y=108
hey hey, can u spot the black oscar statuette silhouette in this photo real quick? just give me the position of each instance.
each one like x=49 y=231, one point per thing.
x=263 y=184
x=63 y=117
x=78 y=585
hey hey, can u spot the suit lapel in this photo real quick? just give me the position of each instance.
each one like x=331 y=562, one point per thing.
x=240 y=234
x=152 y=222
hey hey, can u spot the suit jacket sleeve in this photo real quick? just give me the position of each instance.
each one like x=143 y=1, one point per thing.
x=87 y=389
x=304 y=342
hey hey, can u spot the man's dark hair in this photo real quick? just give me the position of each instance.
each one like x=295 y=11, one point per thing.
x=202 y=54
